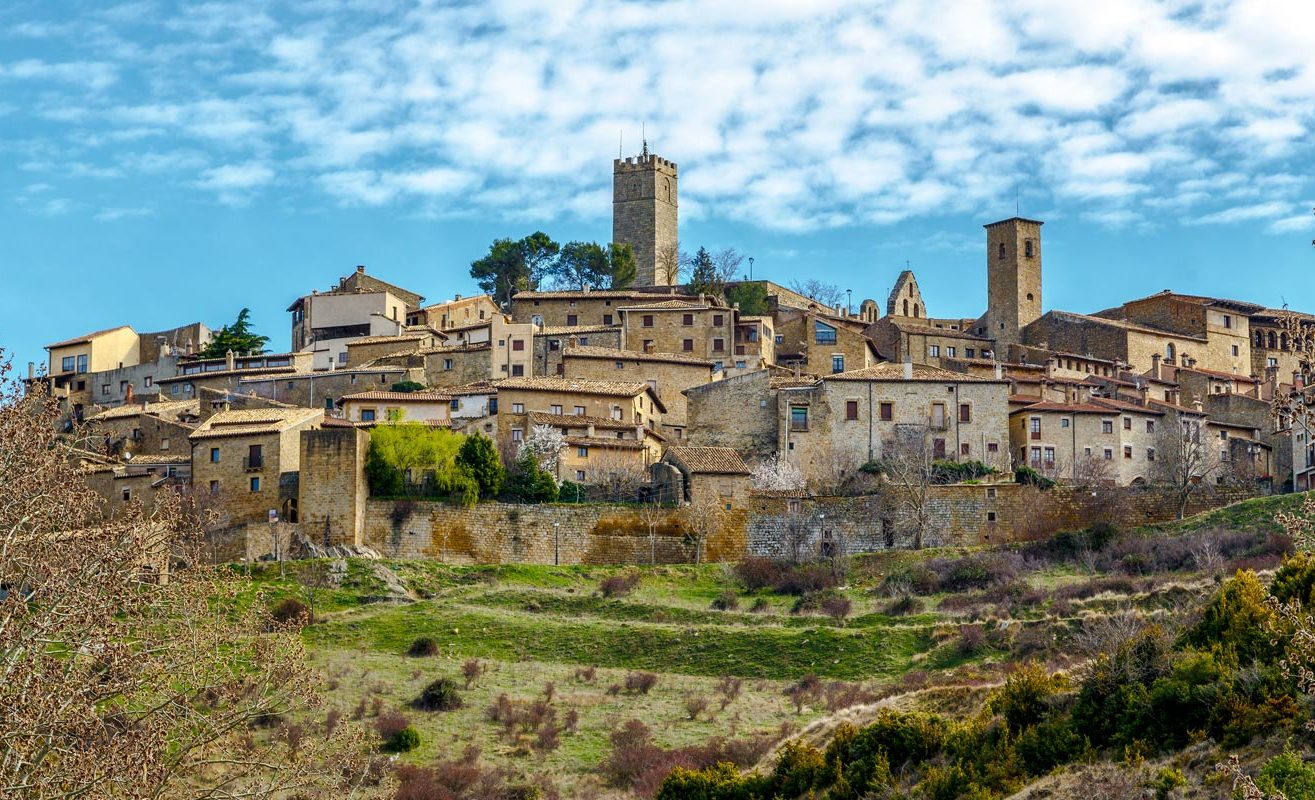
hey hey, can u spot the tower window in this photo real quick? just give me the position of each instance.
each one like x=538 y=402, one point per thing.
x=1028 y=248
x=1029 y=297
x=1003 y=253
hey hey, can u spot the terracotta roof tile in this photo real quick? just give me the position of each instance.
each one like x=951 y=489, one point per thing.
x=579 y=385
x=609 y=353
x=568 y=330
x=892 y=371
x=709 y=460
x=86 y=337
x=254 y=421
x=400 y=397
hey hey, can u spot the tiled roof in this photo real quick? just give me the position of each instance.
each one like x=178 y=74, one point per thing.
x=1027 y=399
x=159 y=459
x=892 y=371
x=254 y=421
x=1120 y=405
x=1218 y=374
x=402 y=337
x=612 y=354
x=578 y=385
x=577 y=294
x=86 y=337
x=1122 y=323
x=567 y=330
x=709 y=460
x=604 y=442
x=1240 y=305
x=158 y=409
x=477 y=387
x=792 y=381
x=579 y=421
x=931 y=330
x=457 y=348
x=668 y=305
x=1068 y=408
x=400 y=397
x=228 y=373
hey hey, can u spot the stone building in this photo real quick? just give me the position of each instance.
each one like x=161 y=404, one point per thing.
x=367 y=350
x=455 y=313
x=702 y=328
x=122 y=483
x=644 y=215
x=1088 y=439
x=322 y=390
x=600 y=450
x=832 y=426
x=376 y=406
x=670 y=374
x=159 y=429
x=821 y=343
x=739 y=412
x=629 y=401
x=710 y=474
x=905 y=298
x=1272 y=345
x=1221 y=328
x=900 y=339
x=494 y=348
x=359 y=305
x=755 y=343
x=226 y=374
x=586 y=307
x=1013 y=280
x=550 y=342
x=250 y=459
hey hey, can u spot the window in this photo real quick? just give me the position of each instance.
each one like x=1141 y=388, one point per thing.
x=1036 y=455
x=1223 y=435
x=517 y=370
x=1050 y=456
x=1063 y=422
x=584 y=340
x=992 y=447
x=1107 y=426
x=82 y=363
x=990 y=516
x=1127 y=451
x=823 y=333
x=554 y=409
x=367 y=415
x=454 y=404
x=104 y=388
x=1002 y=252
x=1109 y=454
x=1034 y=426
x=718 y=345
x=1271 y=362
x=968 y=352
x=741 y=364
x=214 y=487
x=214 y=455
x=1235 y=350
x=173 y=389
x=717 y=320
x=851 y=409
x=648 y=320
x=1127 y=423
x=1028 y=248
x=616 y=412
x=687 y=345
x=648 y=345
x=687 y=319
x=798 y=418
x=964 y=449
x=127 y=495
x=518 y=408
x=255 y=457
x=150 y=381
x=579 y=475
x=965 y=412
x=1228 y=323
x=938 y=416
x=572 y=320
x=887 y=411
x=579 y=411
x=518 y=345
x=934 y=350
x=1150 y=454
x=66 y=364
x=779 y=338
x=255 y=483
x=447 y=363
x=837 y=364
x=342 y=357
x=607 y=319
x=582 y=452
x=517 y=434
x=949 y=351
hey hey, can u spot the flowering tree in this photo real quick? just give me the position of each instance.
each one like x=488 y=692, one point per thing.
x=545 y=445
x=776 y=474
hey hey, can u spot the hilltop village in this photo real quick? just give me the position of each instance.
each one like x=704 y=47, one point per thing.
x=755 y=401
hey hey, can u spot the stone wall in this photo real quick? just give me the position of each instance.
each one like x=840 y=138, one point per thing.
x=332 y=488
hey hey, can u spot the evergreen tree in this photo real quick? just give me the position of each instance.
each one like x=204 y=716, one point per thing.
x=703 y=278
x=479 y=457
x=751 y=297
x=581 y=264
x=515 y=266
x=621 y=260
x=237 y=337
x=530 y=483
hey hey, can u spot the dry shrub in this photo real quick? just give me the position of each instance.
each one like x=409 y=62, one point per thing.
x=726 y=601
x=902 y=606
x=619 y=585
x=423 y=646
x=729 y=686
x=390 y=724
x=549 y=691
x=637 y=764
x=972 y=639
x=465 y=778
x=290 y=611
x=331 y=721
x=807 y=689
x=376 y=706
x=695 y=704
x=471 y=670
x=842 y=694
x=837 y=607
x=586 y=674
x=640 y=682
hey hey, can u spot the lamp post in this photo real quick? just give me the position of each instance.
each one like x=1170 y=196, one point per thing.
x=849 y=302
x=821 y=523
x=751 y=266
x=556 y=543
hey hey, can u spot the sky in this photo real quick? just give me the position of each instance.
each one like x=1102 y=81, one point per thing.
x=162 y=162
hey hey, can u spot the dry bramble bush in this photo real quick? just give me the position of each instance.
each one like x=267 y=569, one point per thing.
x=128 y=669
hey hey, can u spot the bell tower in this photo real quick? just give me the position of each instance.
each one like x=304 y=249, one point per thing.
x=1013 y=279
x=644 y=215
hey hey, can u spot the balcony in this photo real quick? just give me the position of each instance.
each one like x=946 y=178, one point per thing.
x=253 y=463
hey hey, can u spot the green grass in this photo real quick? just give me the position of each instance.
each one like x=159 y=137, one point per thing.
x=1254 y=514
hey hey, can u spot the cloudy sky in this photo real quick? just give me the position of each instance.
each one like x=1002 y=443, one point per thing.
x=163 y=162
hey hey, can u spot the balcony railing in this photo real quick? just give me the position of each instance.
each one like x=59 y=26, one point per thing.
x=253 y=463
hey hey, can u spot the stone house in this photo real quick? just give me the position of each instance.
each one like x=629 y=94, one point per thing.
x=821 y=344
x=376 y=406
x=701 y=328
x=1088 y=438
x=368 y=349
x=600 y=449
x=632 y=402
x=455 y=313
x=494 y=348
x=1272 y=345
x=901 y=339
x=1113 y=339
x=755 y=344
x=740 y=412
x=710 y=474
x=550 y=342
x=832 y=426
x=226 y=374
x=360 y=305
x=322 y=390
x=140 y=480
x=159 y=429
x=670 y=374
x=1225 y=325
x=250 y=459
x=585 y=307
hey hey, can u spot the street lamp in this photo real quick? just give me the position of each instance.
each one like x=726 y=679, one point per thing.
x=751 y=266
x=849 y=302
x=556 y=543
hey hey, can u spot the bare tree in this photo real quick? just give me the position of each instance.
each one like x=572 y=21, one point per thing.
x=616 y=474
x=821 y=292
x=117 y=676
x=653 y=514
x=1183 y=461
x=727 y=262
x=671 y=263
x=798 y=530
x=704 y=517
x=907 y=459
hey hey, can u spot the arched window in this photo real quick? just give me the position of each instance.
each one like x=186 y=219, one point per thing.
x=1002 y=251
x=1027 y=248
x=1170 y=352
x=1273 y=340
x=906 y=308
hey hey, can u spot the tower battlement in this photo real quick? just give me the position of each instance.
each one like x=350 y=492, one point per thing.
x=644 y=202
x=642 y=163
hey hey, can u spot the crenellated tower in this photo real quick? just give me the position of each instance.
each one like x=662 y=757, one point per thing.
x=1013 y=279
x=644 y=215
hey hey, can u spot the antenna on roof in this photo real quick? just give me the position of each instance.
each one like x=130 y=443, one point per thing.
x=1017 y=212
x=643 y=128
x=621 y=143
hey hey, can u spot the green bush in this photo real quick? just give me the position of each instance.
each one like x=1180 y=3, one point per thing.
x=1028 y=697
x=1049 y=744
x=1031 y=477
x=959 y=471
x=479 y=457
x=530 y=483
x=722 y=782
x=408 y=386
x=404 y=458
x=571 y=492
x=1288 y=773
x=1236 y=623
x=441 y=695
x=800 y=767
x=1295 y=580
x=404 y=741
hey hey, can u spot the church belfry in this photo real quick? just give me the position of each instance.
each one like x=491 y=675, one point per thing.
x=1013 y=279
x=644 y=215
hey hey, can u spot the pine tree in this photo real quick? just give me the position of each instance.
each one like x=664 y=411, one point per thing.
x=479 y=457
x=704 y=278
x=237 y=337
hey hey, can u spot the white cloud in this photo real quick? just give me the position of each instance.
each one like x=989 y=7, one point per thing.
x=236 y=176
x=113 y=214
x=1244 y=213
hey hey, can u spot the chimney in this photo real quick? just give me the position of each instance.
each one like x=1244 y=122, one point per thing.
x=31 y=370
x=1197 y=405
x=999 y=371
x=360 y=270
x=1050 y=366
x=1068 y=394
x=1173 y=396
x=230 y=363
x=1144 y=390
x=1155 y=366
x=455 y=298
x=586 y=288
x=908 y=369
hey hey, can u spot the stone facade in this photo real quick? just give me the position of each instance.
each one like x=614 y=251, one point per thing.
x=740 y=412
x=455 y=313
x=332 y=488
x=457 y=364
x=155 y=429
x=1013 y=279
x=644 y=214
x=899 y=339
x=362 y=352
x=1096 y=438
x=905 y=298
x=670 y=374
x=630 y=402
x=550 y=342
x=586 y=307
x=821 y=344
x=249 y=458
x=702 y=329
x=325 y=389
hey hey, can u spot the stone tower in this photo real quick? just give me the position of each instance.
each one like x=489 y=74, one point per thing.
x=644 y=215
x=1013 y=279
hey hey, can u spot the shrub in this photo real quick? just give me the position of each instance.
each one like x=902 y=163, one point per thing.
x=726 y=601
x=586 y=674
x=903 y=606
x=1048 y=745
x=1030 y=477
x=408 y=386
x=619 y=585
x=290 y=611
x=1027 y=697
x=837 y=607
x=757 y=572
x=1288 y=773
x=404 y=741
x=972 y=638
x=423 y=646
x=1295 y=580
x=728 y=686
x=530 y=483
x=640 y=682
x=760 y=606
x=441 y=695
x=812 y=602
x=803 y=691
x=388 y=725
x=695 y=704
x=1236 y=621
x=471 y=670
x=571 y=492
x=479 y=457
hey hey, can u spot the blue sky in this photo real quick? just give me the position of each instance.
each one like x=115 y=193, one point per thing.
x=163 y=162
